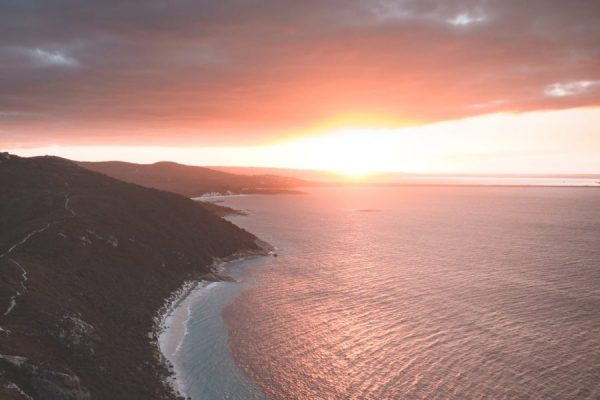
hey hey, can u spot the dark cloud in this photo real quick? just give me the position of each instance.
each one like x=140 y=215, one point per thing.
x=106 y=71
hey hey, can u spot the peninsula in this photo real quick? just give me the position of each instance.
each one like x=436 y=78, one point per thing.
x=86 y=264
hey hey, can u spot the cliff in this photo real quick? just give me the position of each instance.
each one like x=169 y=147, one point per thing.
x=86 y=262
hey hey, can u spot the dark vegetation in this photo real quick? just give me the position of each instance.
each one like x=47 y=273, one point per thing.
x=219 y=209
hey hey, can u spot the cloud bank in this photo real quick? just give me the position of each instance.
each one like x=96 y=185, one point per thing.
x=245 y=71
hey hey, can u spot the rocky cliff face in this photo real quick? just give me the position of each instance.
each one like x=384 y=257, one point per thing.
x=86 y=262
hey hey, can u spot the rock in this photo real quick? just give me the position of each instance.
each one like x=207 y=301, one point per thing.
x=10 y=391
x=39 y=382
x=73 y=332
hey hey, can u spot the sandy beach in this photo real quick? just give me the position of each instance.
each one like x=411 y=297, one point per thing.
x=172 y=321
x=173 y=327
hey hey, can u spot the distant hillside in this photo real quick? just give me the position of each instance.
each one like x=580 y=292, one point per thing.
x=316 y=177
x=193 y=181
x=311 y=176
x=86 y=262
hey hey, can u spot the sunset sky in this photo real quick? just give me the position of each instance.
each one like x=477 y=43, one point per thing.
x=357 y=86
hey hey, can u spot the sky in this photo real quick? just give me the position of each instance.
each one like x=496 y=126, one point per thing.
x=354 y=85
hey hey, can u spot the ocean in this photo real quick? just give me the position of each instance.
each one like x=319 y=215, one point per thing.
x=406 y=293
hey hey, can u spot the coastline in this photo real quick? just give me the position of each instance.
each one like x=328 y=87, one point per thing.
x=173 y=329
x=171 y=322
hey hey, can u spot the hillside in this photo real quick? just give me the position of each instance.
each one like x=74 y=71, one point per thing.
x=193 y=181
x=315 y=177
x=86 y=262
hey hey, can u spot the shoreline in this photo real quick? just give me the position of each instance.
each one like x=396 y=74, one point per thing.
x=172 y=319
x=174 y=329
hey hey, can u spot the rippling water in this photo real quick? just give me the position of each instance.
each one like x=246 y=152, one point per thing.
x=422 y=293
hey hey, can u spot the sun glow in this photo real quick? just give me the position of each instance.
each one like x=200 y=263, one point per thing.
x=493 y=143
x=350 y=152
x=538 y=142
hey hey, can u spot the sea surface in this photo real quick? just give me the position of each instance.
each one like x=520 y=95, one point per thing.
x=407 y=293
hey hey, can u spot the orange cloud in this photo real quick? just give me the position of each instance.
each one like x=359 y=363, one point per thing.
x=244 y=72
